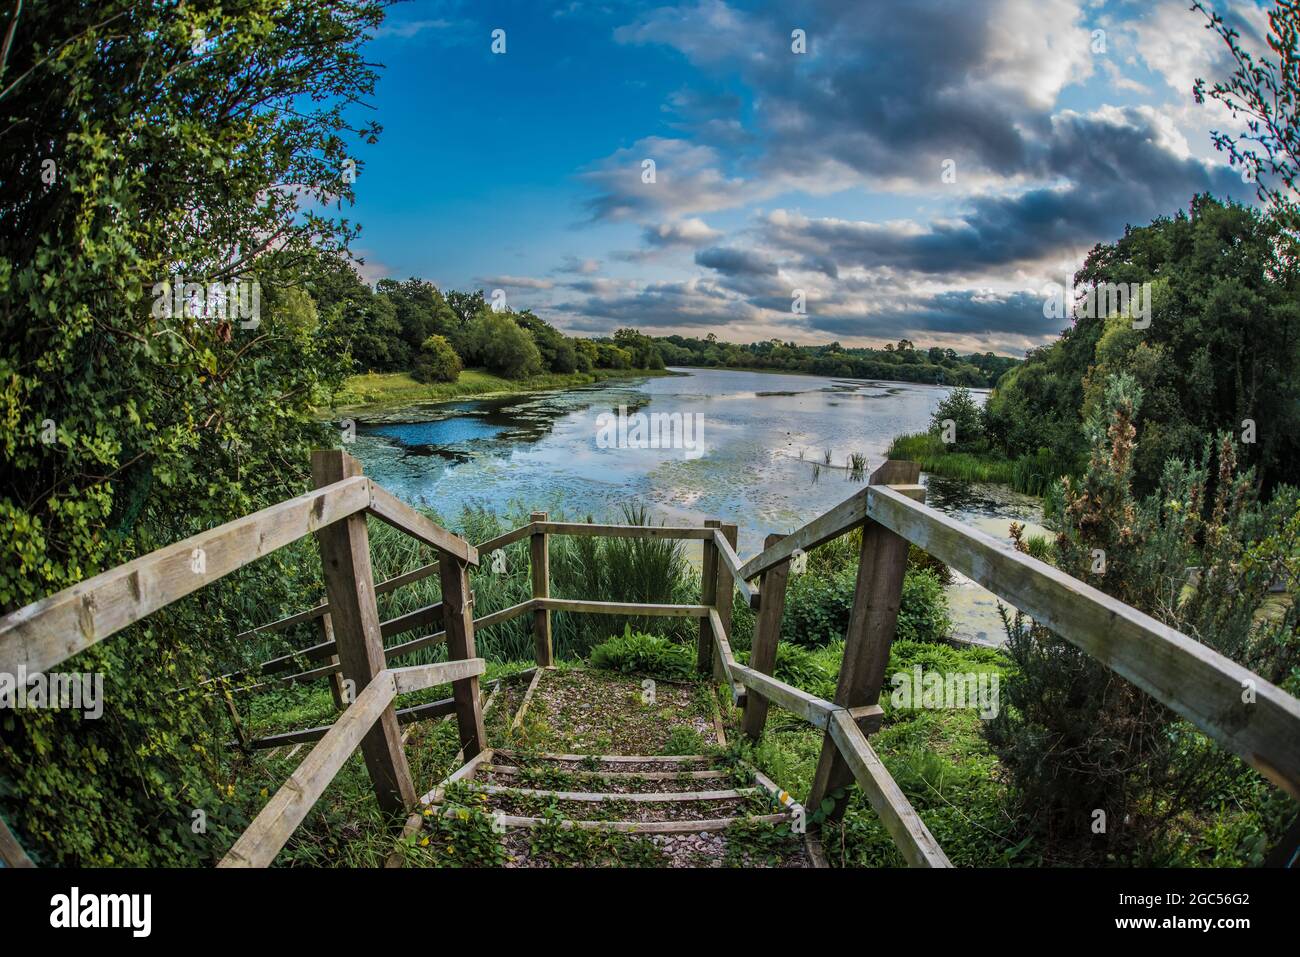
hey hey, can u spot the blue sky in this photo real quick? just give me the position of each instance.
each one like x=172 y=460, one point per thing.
x=777 y=171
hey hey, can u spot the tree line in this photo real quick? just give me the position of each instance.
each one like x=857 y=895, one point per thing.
x=413 y=326
x=899 y=362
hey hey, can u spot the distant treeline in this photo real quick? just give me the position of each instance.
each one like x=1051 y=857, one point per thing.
x=902 y=362
x=413 y=326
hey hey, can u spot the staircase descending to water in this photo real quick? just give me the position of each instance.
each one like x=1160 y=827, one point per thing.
x=662 y=799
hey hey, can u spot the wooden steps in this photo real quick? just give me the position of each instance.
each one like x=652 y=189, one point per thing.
x=632 y=796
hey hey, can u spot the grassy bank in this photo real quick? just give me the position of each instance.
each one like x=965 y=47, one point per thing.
x=1030 y=474
x=376 y=390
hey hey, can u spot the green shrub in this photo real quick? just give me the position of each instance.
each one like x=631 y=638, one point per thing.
x=437 y=361
x=959 y=409
x=636 y=653
x=502 y=346
x=923 y=613
x=817 y=607
x=1074 y=736
x=683 y=739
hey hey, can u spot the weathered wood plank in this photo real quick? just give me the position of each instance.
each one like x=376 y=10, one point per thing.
x=722 y=593
x=610 y=758
x=508 y=770
x=1195 y=681
x=463 y=773
x=388 y=508
x=458 y=620
x=726 y=659
x=11 y=852
x=632 y=797
x=816 y=711
x=420 y=677
x=873 y=620
x=704 y=650
x=272 y=827
x=643 y=827
x=727 y=555
x=45 y=633
x=907 y=829
x=767 y=635
x=623 y=608
x=518 y=720
x=619 y=531
x=539 y=555
x=349 y=583
x=849 y=514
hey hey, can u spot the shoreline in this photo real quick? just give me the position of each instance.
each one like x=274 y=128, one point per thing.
x=386 y=391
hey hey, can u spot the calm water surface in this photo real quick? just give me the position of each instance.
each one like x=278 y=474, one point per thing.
x=760 y=461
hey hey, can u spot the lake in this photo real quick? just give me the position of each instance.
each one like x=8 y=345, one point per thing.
x=751 y=448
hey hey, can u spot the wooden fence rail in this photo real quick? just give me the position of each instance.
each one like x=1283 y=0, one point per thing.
x=1255 y=719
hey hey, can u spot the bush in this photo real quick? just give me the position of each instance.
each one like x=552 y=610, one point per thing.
x=923 y=613
x=1075 y=736
x=501 y=345
x=437 y=361
x=817 y=607
x=636 y=653
x=967 y=420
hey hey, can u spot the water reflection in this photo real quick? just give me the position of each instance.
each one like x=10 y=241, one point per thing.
x=766 y=439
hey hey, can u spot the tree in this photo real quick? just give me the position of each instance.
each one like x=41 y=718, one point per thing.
x=958 y=420
x=420 y=311
x=436 y=362
x=148 y=146
x=1219 y=349
x=1267 y=93
x=501 y=345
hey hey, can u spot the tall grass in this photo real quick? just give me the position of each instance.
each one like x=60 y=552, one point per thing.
x=1032 y=474
x=587 y=567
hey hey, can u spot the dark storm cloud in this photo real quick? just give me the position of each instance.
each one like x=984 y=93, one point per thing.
x=1119 y=173
x=736 y=261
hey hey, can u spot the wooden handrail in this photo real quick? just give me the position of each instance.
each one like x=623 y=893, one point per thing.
x=619 y=531
x=849 y=514
x=272 y=827
x=395 y=651
x=907 y=829
x=419 y=677
x=1246 y=714
x=728 y=556
x=623 y=608
x=388 y=508
x=50 y=631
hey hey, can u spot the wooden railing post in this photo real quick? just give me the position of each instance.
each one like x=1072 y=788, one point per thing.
x=708 y=596
x=458 y=621
x=767 y=635
x=350 y=587
x=723 y=598
x=882 y=563
x=540 y=561
x=337 y=688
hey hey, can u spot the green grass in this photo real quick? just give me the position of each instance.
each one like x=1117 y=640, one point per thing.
x=384 y=389
x=934 y=457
